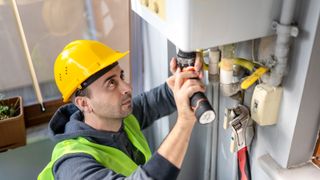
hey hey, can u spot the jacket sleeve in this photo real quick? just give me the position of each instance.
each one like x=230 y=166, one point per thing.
x=154 y=104
x=84 y=167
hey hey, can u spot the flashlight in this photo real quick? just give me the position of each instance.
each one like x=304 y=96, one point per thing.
x=198 y=101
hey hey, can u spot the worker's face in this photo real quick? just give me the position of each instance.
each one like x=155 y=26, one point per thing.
x=110 y=95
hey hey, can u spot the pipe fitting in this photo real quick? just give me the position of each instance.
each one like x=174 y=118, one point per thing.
x=282 y=48
x=285 y=29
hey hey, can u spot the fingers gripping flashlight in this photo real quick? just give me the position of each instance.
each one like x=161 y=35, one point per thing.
x=198 y=101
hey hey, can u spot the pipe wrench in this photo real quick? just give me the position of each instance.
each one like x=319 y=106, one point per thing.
x=239 y=124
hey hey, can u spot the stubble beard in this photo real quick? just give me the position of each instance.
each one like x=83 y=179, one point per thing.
x=128 y=110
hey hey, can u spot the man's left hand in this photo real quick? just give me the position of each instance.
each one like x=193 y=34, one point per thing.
x=173 y=68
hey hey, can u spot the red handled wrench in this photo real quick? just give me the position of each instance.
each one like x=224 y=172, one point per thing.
x=239 y=125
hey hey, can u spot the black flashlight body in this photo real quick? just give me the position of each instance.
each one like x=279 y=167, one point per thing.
x=198 y=101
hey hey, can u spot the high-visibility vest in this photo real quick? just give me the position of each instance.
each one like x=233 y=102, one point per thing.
x=109 y=157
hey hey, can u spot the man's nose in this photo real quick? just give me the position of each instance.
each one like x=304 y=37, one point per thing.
x=125 y=88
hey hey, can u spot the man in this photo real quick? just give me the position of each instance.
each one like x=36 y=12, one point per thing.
x=99 y=134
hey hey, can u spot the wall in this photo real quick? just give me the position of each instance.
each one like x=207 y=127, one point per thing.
x=149 y=67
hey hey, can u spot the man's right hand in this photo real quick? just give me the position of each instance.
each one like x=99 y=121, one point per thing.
x=174 y=147
x=183 y=85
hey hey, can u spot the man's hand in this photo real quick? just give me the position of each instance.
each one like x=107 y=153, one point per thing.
x=185 y=85
x=173 y=69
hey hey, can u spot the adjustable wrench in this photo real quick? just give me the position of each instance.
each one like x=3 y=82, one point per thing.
x=239 y=125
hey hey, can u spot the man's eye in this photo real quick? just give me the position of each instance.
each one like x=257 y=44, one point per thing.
x=112 y=83
x=122 y=76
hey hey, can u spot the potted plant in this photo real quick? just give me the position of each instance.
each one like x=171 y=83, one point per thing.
x=12 y=127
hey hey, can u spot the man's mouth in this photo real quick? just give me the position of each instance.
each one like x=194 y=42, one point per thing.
x=127 y=101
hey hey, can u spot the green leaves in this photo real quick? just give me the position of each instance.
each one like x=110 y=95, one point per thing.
x=4 y=112
x=8 y=110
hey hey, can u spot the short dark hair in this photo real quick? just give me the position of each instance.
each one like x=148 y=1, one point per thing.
x=80 y=92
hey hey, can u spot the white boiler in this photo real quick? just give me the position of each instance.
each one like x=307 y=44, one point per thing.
x=193 y=24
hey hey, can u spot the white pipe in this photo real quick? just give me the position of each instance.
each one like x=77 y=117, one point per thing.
x=27 y=53
x=214 y=57
x=212 y=133
x=215 y=132
x=287 y=11
x=284 y=33
x=209 y=146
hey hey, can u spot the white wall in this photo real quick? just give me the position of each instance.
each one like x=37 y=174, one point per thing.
x=155 y=72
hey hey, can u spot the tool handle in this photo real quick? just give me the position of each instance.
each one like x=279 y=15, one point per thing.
x=243 y=164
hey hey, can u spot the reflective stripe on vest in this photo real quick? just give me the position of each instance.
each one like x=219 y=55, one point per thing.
x=109 y=157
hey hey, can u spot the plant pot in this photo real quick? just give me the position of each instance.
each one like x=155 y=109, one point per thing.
x=12 y=130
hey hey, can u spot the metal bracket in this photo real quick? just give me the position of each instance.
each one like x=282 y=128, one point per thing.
x=285 y=29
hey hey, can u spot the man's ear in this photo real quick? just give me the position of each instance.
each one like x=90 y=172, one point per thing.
x=82 y=102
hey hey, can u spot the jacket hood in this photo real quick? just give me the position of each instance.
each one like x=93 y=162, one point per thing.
x=67 y=123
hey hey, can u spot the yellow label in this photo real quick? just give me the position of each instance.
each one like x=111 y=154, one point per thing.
x=156 y=6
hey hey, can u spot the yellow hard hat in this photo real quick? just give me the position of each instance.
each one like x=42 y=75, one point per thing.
x=78 y=61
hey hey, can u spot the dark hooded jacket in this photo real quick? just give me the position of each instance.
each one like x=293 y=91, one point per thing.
x=68 y=123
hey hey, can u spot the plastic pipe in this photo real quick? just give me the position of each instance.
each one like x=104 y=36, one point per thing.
x=287 y=11
x=284 y=32
x=226 y=71
x=214 y=56
x=214 y=132
x=27 y=53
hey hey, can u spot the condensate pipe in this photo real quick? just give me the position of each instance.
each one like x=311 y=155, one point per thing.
x=284 y=31
x=28 y=56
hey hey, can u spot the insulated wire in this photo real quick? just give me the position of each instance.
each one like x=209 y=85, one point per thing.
x=253 y=50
